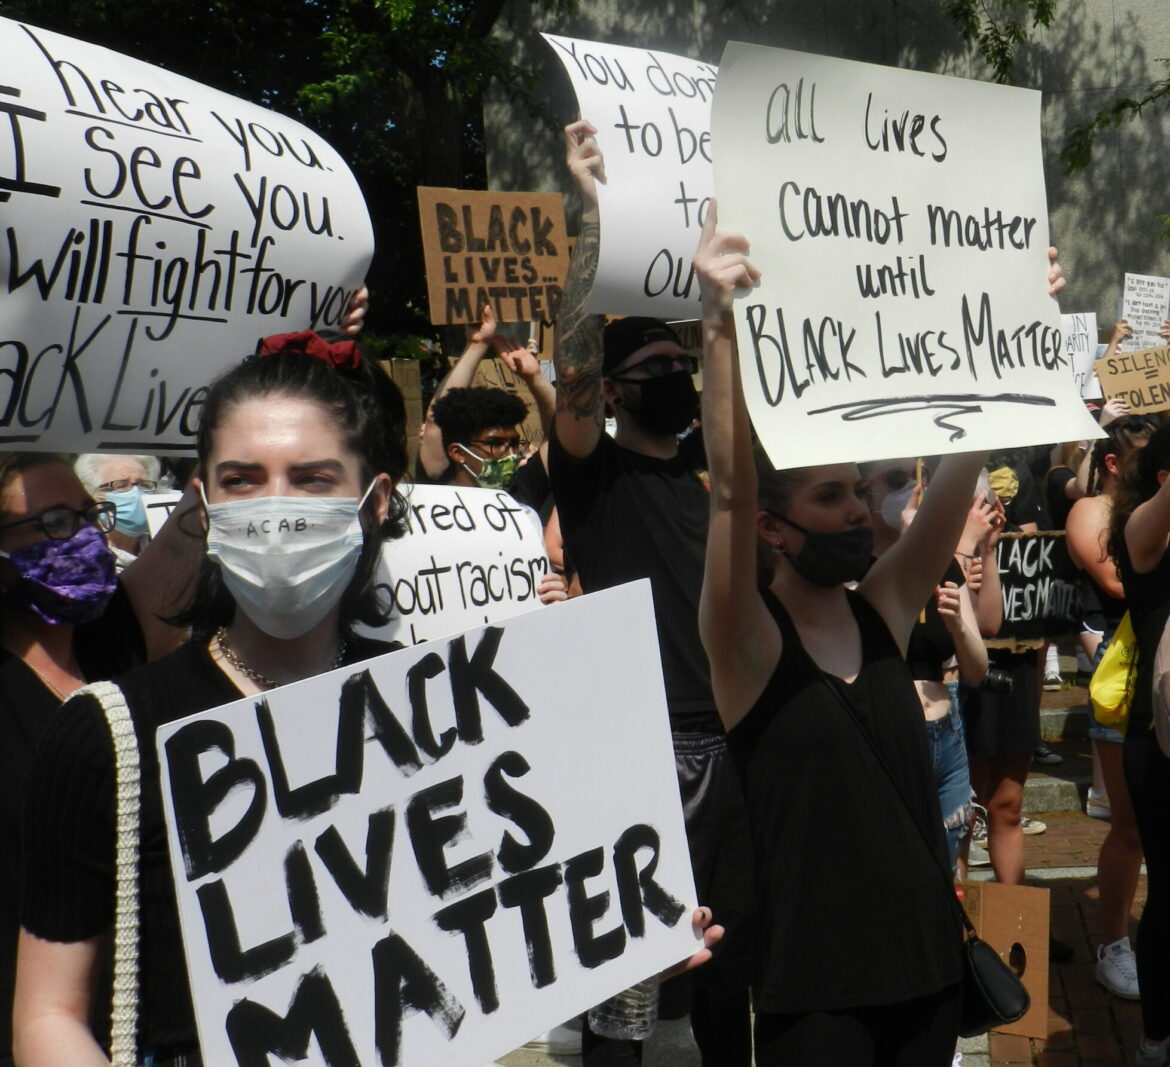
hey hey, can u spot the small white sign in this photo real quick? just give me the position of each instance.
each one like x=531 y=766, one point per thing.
x=1080 y=343
x=652 y=112
x=434 y=855
x=469 y=556
x=1144 y=305
x=158 y=509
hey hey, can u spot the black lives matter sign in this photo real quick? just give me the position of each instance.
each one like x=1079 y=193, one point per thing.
x=431 y=856
x=506 y=250
x=152 y=231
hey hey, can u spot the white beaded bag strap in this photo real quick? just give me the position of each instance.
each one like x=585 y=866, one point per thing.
x=124 y=1017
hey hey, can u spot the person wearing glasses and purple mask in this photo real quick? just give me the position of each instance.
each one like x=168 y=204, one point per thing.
x=66 y=618
x=122 y=480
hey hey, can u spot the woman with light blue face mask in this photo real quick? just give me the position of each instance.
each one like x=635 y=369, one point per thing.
x=122 y=481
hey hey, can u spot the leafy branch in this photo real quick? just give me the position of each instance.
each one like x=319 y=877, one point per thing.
x=998 y=27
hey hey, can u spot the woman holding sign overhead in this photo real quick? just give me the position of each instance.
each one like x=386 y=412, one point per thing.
x=826 y=729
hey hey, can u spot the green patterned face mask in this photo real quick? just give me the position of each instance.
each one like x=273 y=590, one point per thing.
x=498 y=473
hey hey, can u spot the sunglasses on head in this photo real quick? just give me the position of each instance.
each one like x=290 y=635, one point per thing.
x=895 y=479
x=658 y=367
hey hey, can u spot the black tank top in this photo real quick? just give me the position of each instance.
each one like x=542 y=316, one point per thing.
x=853 y=909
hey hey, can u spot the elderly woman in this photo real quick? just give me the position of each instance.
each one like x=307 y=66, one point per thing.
x=121 y=480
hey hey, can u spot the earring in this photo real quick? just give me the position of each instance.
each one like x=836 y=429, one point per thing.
x=777 y=548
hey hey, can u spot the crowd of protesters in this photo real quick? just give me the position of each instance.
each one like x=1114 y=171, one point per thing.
x=833 y=705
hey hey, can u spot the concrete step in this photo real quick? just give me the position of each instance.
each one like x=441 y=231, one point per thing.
x=1064 y=725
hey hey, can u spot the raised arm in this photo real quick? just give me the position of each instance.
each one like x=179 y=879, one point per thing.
x=958 y=616
x=742 y=642
x=1147 y=532
x=524 y=364
x=905 y=576
x=580 y=410
x=978 y=557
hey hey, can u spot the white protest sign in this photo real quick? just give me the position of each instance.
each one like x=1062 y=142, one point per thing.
x=158 y=509
x=435 y=855
x=1080 y=345
x=1144 y=305
x=469 y=556
x=652 y=113
x=900 y=225
x=154 y=230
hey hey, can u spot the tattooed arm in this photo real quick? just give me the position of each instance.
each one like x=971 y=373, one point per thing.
x=580 y=416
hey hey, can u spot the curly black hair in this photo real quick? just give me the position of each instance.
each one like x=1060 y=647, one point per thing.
x=460 y=414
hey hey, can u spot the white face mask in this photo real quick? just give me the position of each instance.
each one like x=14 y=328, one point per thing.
x=286 y=560
x=894 y=503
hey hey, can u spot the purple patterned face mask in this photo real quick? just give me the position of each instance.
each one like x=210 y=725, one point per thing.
x=66 y=582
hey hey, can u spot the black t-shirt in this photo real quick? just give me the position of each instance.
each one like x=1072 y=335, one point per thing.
x=111 y=645
x=70 y=829
x=931 y=643
x=1148 y=597
x=823 y=807
x=626 y=516
x=1056 y=497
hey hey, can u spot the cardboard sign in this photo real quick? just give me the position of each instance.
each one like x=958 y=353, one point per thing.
x=1040 y=585
x=1080 y=345
x=652 y=113
x=495 y=374
x=158 y=509
x=469 y=556
x=903 y=306
x=1141 y=378
x=154 y=230
x=434 y=855
x=1144 y=305
x=1013 y=920
x=504 y=249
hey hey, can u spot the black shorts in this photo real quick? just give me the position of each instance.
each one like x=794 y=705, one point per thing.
x=720 y=846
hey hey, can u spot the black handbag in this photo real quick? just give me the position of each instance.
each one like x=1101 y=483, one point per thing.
x=993 y=994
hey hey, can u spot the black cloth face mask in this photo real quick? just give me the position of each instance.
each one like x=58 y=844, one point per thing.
x=829 y=559
x=667 y=404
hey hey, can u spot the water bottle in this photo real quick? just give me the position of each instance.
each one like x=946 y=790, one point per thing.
x=629 y=1015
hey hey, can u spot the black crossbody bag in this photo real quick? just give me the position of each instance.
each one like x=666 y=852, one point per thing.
x=993 y=995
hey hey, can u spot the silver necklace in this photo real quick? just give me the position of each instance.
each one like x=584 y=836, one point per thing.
x=233 y=658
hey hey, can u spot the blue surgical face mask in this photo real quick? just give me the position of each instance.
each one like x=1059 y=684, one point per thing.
x=131 y=517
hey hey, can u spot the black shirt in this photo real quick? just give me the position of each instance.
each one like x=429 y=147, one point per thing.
x=111 y=645
x=70 y=829
x=626 y=516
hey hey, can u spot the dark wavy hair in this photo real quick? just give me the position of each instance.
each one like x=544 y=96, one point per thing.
x=368 y=408
x=1138 y=482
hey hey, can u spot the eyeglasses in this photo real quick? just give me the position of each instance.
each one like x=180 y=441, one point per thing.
x=122 y=484
x=895 y=479
x=500 y=446
x=61 y=523
x=658 y=367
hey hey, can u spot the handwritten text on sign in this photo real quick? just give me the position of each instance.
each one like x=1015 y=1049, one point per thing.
x=508 y=250
x=432 y=856
x=1080 y=343
x=1141 y=379
x=1040 y=586
x=469 y=556
x=153 y=230
x=1144 y=306
x=652 y=113
x=903 y=306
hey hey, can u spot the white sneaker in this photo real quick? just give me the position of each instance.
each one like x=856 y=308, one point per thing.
x=958 y=1060
x=978 y=857
x=1053 y=682
x=1117 y=970
x=1097 y=805
x=979 y=831
x=1152 y=1055
x=563 y=1040
x=1032 y=827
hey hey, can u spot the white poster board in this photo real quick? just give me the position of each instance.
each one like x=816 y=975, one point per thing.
x=1080 y=345
x=434 y=856
x=154 y=230
x=900 y=225
x=469 y=556
x=159 y=507
x=1145 y=304
x=652 y=113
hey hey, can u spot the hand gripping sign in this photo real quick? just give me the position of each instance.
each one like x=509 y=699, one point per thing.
x=433 y=855
x=900 y=225
x=153 y=230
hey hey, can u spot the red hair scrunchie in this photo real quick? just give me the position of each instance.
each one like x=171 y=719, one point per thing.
x=340 y=355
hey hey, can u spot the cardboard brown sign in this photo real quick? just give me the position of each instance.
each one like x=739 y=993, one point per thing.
x=1141 y=378
x=509 y=250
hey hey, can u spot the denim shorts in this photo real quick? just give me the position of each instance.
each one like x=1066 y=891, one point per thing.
x=948 y=753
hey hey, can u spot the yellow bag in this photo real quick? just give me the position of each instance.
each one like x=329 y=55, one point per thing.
x=1111 y=687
